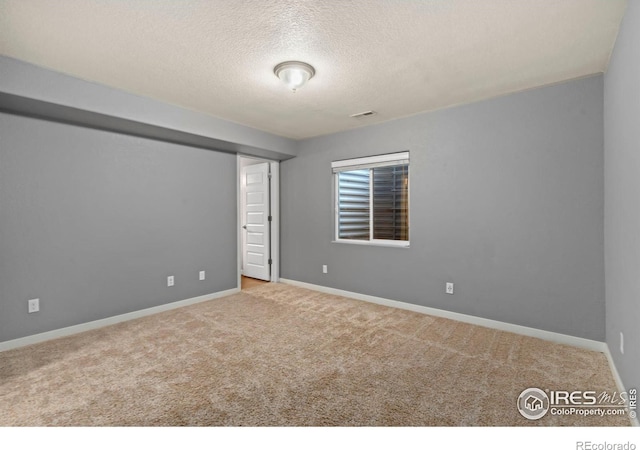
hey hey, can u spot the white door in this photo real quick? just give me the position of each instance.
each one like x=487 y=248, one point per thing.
x=255 y=221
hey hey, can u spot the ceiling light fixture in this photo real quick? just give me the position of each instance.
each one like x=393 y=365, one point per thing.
x=294 y=73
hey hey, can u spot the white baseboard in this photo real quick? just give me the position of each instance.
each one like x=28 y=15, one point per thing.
x=619 y=383
x=495 y=324
x=67 y=331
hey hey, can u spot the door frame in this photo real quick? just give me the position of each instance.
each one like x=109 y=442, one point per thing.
x=275 y=213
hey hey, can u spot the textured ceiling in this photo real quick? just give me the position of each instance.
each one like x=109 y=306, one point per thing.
x=396 y=57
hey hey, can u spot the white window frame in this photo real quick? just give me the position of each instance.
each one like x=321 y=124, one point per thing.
x=369 y=162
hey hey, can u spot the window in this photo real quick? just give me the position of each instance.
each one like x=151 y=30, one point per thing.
x=372 y=199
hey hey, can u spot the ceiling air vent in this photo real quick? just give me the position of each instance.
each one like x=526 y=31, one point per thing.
x=363 y=114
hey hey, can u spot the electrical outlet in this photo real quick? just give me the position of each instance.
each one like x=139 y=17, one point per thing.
x=449 y=288
x=171 y=280
x=324 y=268
x=202 y=275
x=622 y=342
x=34 y=305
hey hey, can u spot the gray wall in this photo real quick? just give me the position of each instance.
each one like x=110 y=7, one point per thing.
x=21 y=79
x=622 y=197
x=93 y=222
x=506 y=201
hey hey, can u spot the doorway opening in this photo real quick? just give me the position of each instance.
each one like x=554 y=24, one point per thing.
x=248 y=283
x=258 y=221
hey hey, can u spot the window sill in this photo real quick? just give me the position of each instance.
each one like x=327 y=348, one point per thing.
x=398 y=244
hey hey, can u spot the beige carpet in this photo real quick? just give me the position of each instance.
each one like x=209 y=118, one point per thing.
x=281 y=355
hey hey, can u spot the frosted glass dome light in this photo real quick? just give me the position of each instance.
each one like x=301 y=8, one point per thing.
x=294 y=73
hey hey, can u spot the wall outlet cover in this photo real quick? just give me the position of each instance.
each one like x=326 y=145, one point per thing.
x=34 y=305
x=449 y=288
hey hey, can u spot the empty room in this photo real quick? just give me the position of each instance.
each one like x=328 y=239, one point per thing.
x=319 y=213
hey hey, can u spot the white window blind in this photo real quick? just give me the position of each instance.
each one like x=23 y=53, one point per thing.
x=401 y=158
x=372 y=198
